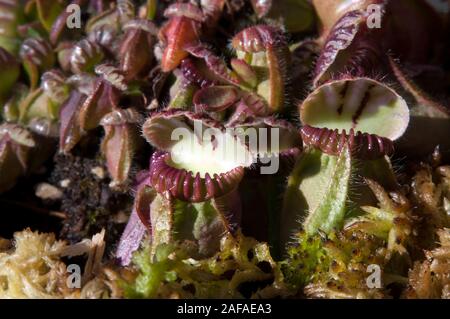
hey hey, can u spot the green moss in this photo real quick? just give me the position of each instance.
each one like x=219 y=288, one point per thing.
x=305 y=257
x=242 y=268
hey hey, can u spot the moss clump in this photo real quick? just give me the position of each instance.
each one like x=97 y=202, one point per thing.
x=242 y=269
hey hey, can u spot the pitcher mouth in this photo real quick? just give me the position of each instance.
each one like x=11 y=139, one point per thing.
x=191 y=185
x=361 y=145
